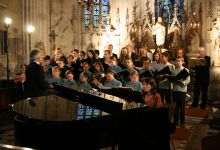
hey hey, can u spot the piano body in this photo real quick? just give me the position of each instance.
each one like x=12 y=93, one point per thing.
x=89 y=120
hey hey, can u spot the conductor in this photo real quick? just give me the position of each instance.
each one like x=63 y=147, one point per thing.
x=35 y=84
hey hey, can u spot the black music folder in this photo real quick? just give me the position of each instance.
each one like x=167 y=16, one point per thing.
x=138 y=63
x=182 y=75
x=117 y=77
x=146 y=73
x=124 y=74
x=165 y=70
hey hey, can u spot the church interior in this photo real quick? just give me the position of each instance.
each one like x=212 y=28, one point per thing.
x=110 y=74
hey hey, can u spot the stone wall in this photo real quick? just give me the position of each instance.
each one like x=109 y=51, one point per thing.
x=36 y=13
x=13 y=10
x=64 y=27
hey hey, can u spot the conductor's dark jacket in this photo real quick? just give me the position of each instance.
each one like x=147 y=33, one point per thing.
x=35 y=84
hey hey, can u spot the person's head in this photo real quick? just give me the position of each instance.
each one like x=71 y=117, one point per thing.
x=69 y=75
x=57 y=57
x=113 y=61
x=97 y=79
x=156 y=57
x=47 y=60
x=165 y=57
x=134 y=76
x=82 y=55
x=157 y=50
x=91 y=54
x=149 y=86
x=85 y=66
x=129 y=63
x=58 y=50
x=109 y=75
x=143 y=51
x=129 y=48
x=98 y=66
x=180 y=53
x=36 y=55
x=23 y=68
x=61 y=63
x=202 y=51
x=64 y=59
x=179 y=62
x=106 y=54
x=147 y=63
x=160 y=20
x=55 y=72
x=84 y=77
x=110 y=48
x=70 y=59
x=75 y=53
x=96 y=53
x=124 y=51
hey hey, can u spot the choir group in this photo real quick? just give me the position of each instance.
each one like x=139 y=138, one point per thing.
x=159 y=79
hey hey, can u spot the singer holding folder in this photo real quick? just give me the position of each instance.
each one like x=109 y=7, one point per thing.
x=180 y=82
x=202 y=79
x=164 y=70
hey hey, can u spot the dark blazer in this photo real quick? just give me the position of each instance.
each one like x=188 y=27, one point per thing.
x=114 y=55
x=202 y=72
x=134 y=56
x=35 y=84
x=105 y=66
x=63 y=71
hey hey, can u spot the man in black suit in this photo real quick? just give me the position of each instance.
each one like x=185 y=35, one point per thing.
x=131 y=53
x=35 y=84
x=110 y=48
x=202 y=79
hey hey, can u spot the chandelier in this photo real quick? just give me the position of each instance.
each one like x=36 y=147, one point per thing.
x=195 y=24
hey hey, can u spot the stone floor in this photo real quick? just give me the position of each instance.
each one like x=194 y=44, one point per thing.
x=193 y=126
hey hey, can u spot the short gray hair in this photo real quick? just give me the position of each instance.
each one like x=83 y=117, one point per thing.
x=33 y=54
x=201 y=48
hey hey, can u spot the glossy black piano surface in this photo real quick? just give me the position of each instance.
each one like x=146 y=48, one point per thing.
x=90 y=120
x=54 y=108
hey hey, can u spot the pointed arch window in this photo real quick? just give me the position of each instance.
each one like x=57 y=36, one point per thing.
x=95 y=11
x=165 y=6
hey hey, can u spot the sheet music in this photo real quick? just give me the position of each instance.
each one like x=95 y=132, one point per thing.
x=193 y=61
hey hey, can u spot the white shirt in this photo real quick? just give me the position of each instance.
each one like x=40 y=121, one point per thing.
x=178 y=86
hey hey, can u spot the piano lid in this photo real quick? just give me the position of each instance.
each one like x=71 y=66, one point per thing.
x=109 y=103
x=55 y=109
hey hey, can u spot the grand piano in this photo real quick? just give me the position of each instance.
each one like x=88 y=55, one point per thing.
x=72 y=118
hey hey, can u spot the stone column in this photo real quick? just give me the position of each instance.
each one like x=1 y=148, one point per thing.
x=36 y=13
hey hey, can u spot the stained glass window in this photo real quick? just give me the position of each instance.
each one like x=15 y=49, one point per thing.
x=167 y=6
x=85 y=112
x=96 y=11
